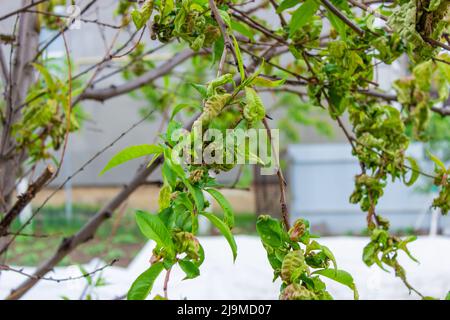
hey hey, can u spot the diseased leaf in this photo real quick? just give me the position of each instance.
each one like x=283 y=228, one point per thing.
x=239 y=58
x=140 y=17
x=143 y=285
x=189 y=268
x=164 y=197
x=131 y=153
x=415 y=172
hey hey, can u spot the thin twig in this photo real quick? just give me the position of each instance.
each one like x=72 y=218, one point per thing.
x=58 y=280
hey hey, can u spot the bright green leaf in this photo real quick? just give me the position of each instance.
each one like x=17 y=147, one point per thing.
x=142 y=286
x=154 y=228
x=286 y=4
x=239 y=59
x=415 y=172
x=189 y=268
x=131 y=153
x=302 y=15
x=340 y=276
x=223 y=228
x=242 y=29
x=225 y=205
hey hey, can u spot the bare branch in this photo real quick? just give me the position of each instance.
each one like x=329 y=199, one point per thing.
x=3 y=68
x=113 y=91
x=31 y=5
x=31 y=276
x=56 y=36
x=343 y=17
x=69 y=178
x=24 y=199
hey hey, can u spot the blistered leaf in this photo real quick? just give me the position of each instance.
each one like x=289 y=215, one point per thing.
x=164 y=197
x=140 y=17
x=189 y=268
x=254 y=110
x=415 y=172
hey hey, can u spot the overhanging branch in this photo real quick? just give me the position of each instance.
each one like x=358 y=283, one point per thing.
x=114 y=91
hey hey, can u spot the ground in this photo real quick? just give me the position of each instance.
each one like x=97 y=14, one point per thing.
x=250 y=277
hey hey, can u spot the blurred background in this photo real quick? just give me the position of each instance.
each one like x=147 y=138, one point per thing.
x=319 y=170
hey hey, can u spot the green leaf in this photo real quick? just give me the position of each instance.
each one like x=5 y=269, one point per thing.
x=414 y=172
x=270 y=230
x=223 y=228
x=340 y=276
x=330 y=255
x=197 y=194
x=254 y=110
x=154 y=228
x=200 y=89
x=217 y=51
x=225 y=17
x=264 y=82
x=242 y=29
x=447 y=297
x=48 y=78
x=302 y=15
x=131 y=153
x=225 y=205
x=180 y=106
x=286 y=4
x=239 y=59
x=189 y=268
x=141 y=17
x=438 y=162
x=142 y=286
x=164 y=197
x=337 y=24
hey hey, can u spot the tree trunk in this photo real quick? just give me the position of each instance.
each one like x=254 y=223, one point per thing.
x=25 y=50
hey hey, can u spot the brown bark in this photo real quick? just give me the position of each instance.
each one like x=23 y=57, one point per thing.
x=87 y=232
x=21 y=78
x=24 y=199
